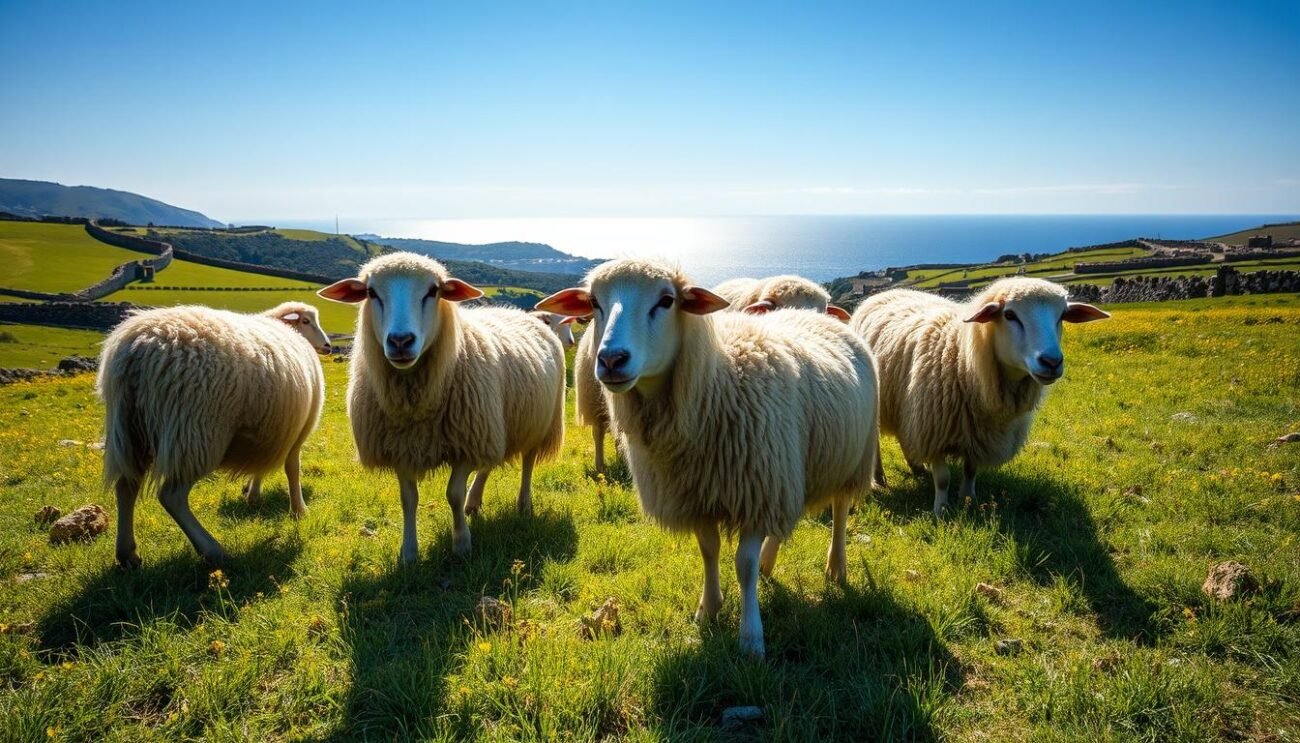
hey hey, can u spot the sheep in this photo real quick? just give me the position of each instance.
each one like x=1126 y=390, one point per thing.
x=756 y=296
x=729 y=419
x=963 y=381
x=588 y=400
x=560 y=325
x=191 y=390
x=432 y=384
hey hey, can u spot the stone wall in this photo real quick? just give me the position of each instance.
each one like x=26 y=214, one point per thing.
x=84 y=315
x=127 y=272
x=1228 y=281
x=1139 y=263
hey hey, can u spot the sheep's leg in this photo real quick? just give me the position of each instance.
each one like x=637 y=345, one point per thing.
x=767 y=558
x=293 y=472
x=710 y=546
x=175 y=497
x=878 y=478
x=968 y=481
x=939 y=470
x=751 y=624
x=460 y=539
x=525 y=502
x=127 y=492
x=253 y=490
x=474 y=503
x=410 y=551
x=917 y=469
x=598 y=434
x=837 y=561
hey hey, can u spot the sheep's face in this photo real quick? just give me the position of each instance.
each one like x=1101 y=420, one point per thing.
x=1026 y=332
x=795 y=293
x=401 y=309
x=305 y=320
x=638 y=320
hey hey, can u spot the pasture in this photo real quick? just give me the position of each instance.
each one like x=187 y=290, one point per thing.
x=56 y=258
x=1147 y=464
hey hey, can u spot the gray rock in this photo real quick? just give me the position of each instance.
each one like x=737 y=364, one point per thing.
x=1009 y=646
x=739 y=718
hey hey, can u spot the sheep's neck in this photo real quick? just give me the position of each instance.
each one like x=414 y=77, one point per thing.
x=1003 y=393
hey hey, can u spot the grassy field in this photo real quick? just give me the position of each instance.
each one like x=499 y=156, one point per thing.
x=928 y=278
x=55 y=257
x=1282 y=232
x=38 y=347
x=1147 y=465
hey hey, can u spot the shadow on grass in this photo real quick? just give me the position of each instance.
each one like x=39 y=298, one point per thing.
x=115 y=603
x=849 y=665
x=272 y=506
x=404 y=628
x=1050 y=523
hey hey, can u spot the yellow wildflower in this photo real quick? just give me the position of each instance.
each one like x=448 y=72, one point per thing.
x=485 y=646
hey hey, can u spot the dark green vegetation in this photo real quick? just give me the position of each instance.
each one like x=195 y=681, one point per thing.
x=41 y=198
x=1147 y=465
x=518 y=255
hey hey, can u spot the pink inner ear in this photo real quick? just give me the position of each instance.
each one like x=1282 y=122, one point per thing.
x=986 y=313
x=1080 y=312
x=761 y=307
x=700 y=301
x=455 y=290
x=838 y=312
x=349 y=291
x=573 y=302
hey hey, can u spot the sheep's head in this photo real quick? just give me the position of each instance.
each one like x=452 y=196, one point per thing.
x=306 y=320
x=559 y=324
x=1023 y=319
x=795 y=293
x=404 y=296
x=638 y=308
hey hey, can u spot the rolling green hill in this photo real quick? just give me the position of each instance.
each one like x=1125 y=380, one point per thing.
x=42 y=198
x=55 y=258
x=1284 y=231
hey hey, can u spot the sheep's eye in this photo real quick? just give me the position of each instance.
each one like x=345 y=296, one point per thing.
x=433 y=292
x=595 y=305
x=1011 y=316
x=664 y=303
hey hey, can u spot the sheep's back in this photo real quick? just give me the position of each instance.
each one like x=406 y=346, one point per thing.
x=589 y=398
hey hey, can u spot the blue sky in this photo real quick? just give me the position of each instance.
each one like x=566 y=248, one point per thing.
x=379 y=110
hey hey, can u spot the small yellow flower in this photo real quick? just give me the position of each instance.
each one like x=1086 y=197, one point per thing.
x=510 y=681
x=67 y=665
x=27 y=557
x=51 y=731
x=218 y=579
x=485 y=646
x=464 y=691
x=217 y=648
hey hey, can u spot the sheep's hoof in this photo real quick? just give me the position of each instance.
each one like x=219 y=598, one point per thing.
x=407 y=557
x=128 y=559
x=752 y=646
x=216 y=558
x=299 y=513
x=461 y=544
x=525 y=508
x=705 y=614
x=473 y=508
x=837 y=574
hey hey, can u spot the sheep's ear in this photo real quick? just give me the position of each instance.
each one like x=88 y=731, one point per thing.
x=455 y=290
x=571 y=320
x=700 y=301
x=986 y=313
x=570 y=302
x=761 y=307
x=837 y=312
x=1080 y=312
x=349 y=291
x=291 y=317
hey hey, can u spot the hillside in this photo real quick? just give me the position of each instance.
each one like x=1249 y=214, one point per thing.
x=1280 y=232
x=43 y=198
x=515 y=255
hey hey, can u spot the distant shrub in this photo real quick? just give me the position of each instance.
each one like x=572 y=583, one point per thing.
x=7 y=337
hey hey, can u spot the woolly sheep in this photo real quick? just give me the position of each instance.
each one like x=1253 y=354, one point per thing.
x=431 y=384
x=191 y=390
x=963 y=381
x=730 y=419
x=757 y=296
x=560 y=325
x=588 y=398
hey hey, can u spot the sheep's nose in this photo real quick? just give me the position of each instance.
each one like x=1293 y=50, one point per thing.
x=327 y=348
x=401 y=341
x=1052 y=362
x=613 y=359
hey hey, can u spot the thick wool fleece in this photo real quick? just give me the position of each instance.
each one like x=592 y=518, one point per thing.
x=191 y=390
x=588 y=396
x=488 y=389
x=942 y=391
x=762 y=417
x=786 y=292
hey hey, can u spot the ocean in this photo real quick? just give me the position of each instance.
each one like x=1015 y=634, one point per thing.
x=713 y=249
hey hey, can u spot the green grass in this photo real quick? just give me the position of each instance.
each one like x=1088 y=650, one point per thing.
x=40 y=347
x=187 y=274
x=1280 y=233
x=1099 y=534
x=1055 y=264
x=55 y=257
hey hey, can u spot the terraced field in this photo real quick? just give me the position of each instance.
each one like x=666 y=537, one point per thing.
x=55 y=258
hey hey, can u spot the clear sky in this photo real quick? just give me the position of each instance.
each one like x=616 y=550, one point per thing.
x=468 y=109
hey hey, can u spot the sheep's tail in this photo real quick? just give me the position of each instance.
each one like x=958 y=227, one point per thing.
x=125 y=455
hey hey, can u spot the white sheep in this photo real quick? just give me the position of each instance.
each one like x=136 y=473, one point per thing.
x=588 y=399
x=432 y=384
x=191 y=390
x=730 y=419
x=963 y=380
x=757 y=296
x=560 y=325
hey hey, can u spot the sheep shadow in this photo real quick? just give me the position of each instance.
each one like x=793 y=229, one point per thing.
x=853 y=665
x=1050 y=523
x=405 y=627
x=116 y=604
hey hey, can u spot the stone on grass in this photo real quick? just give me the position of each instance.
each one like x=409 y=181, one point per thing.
x=1009 y=646
x=82 y=525
x=989 y=591
x=603 y=621
x=1229 y=581
x=739 y=718
x=1290 y=438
